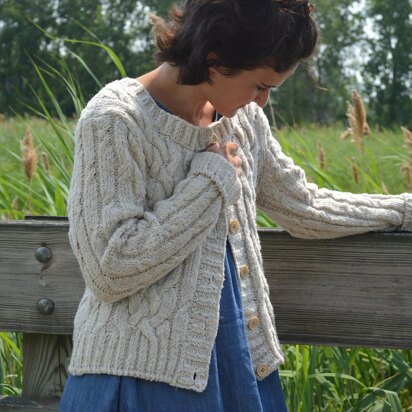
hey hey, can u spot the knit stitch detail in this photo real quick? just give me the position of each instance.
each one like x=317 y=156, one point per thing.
x=149 y=219
x=407 y=222
x=220 y=171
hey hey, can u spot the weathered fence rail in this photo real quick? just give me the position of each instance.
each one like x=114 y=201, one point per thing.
x=353 y=291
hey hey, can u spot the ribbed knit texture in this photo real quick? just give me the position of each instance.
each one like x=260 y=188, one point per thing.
x=149 y=216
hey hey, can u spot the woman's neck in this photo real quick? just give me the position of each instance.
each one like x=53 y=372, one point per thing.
x=186 y=102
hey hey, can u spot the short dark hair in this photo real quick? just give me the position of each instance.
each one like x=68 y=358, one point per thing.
x=243 y=34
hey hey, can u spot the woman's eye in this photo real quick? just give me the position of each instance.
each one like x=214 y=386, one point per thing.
x=262 y=88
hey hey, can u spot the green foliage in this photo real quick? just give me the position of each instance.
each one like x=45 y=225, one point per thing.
x=18 y=40
x=31 y=31
x=347 y=380
x=161 y=7
x=318 y=91
x=314 y=378
x=315 y=94
x=47 y=192
x=379 y=165
x=11 y=366
x=389 y=68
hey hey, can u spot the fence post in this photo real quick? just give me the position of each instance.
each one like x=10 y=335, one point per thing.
x=45 y=362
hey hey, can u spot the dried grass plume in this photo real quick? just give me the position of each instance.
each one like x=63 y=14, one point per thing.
x=29 y=155
x=408 y=139
x=321 y=156
x=356 y=114
x=406 y=168
x=45 y=162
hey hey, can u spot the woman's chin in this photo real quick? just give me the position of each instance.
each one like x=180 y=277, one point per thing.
x=233 y=112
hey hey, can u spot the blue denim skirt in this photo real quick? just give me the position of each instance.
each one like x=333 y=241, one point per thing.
x=232 y=385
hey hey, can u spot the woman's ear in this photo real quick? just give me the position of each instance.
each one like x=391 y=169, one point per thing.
x=212 y=56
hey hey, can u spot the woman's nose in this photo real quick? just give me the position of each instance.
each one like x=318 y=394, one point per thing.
x=262 y=98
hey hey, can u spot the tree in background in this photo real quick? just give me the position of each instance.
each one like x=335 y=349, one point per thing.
x=18 y=40
x=389 y=68
x=318 y=92
x=161 y=7
x=121 y=25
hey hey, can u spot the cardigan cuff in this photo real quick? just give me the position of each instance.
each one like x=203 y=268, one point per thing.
x=407 y=219
x=218 y=169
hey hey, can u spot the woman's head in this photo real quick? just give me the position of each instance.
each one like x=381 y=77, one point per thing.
x=236 y=35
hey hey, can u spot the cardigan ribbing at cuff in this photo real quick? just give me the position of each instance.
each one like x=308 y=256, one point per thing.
x=407 y=220
x=221 y=172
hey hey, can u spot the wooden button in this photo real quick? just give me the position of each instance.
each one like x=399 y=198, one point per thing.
x=244 y=271
x=253 y=322
x=215 y=139
x=234 y=226
x=262 y=370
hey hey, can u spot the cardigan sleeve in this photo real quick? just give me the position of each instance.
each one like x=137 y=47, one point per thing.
x=122 y=246
x=306 y=211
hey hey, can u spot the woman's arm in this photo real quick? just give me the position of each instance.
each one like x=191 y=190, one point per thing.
x=306 y=211
x=123 y=247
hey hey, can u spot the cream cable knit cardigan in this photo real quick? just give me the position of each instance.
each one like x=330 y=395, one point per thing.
x=149 y=217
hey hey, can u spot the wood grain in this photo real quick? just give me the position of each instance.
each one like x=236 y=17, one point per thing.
x=45 y=363
x=353 y=291
x=24 y=280
x=20 y=404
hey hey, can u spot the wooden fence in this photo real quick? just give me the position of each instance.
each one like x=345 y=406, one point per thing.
x=353 y=291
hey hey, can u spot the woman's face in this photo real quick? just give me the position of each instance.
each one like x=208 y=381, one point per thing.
x=228 y=94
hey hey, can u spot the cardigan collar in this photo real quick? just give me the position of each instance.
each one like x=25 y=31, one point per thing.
x=184 y=133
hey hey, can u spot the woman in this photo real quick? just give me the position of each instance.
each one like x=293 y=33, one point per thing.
x=169 y=169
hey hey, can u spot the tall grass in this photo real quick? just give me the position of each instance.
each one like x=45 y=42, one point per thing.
x=344 y=379
x=314 y=378
x=379 y=163
x=11 y=366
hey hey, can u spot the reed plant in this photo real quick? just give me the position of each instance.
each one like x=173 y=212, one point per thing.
x=35 y=180
x=11 y=365
x=407 y=166
x=358 y=125
x=340 y=165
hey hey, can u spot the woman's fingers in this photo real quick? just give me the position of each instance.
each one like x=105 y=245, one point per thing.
x=233 y=147
x=213 y=147
x=232 y=155
x=228 y=150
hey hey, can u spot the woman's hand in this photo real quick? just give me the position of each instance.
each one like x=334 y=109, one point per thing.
x=229 y=151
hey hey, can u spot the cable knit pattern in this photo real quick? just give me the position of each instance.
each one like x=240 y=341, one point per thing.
x=149 y=216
